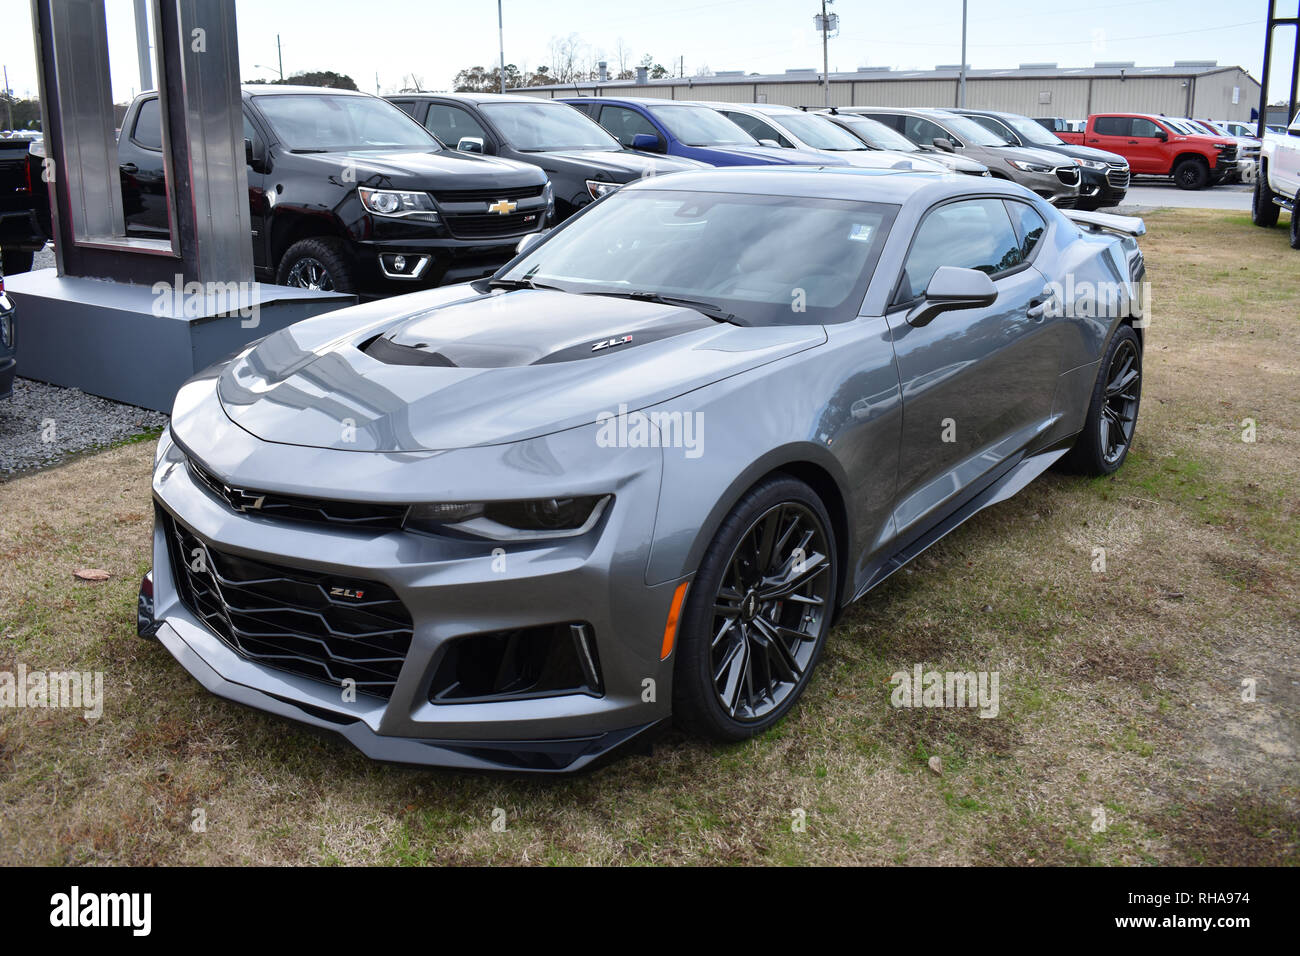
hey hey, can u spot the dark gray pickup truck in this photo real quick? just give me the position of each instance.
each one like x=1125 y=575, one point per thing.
x=24 y=205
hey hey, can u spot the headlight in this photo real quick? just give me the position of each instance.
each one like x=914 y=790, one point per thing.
x=1093 y=164
x=510 y=520
x=598 y=189
x=390 y=202
x=164 y=445
x=1029 y=167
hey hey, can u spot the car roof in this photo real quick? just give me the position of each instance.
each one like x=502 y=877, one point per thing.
x=770 y=109
x=277 y=89
x=890 y=186
x=632 y=100
x=926 y=111
x=472 y=97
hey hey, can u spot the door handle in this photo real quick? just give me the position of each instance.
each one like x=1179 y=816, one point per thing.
x=1037 y=310
x=1132 y=142
x=129 y=168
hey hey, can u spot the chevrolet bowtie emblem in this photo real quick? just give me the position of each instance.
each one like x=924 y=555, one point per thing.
x=503 y=207
x=241 y=500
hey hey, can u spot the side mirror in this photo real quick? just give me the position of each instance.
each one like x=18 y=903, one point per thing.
x=1162 y=136
x=470 y=144
x=943 y=143
x=647 y=141
x=530 y=240
x=248 y=152
x=950 y=290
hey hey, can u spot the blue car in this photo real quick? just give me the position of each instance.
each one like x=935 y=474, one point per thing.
x=691 y=130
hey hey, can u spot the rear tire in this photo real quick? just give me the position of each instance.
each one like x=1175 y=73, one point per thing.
x=15 y=262
x=1263 y=211
x=757 y=614
x=1107 y=435
x=1295 y=222
x=317 y=264
x=1191 y=173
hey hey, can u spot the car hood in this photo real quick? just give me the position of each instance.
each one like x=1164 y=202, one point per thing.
x=1084 y=152
x=455 y=368
x=1030 y=154
x=960 y=164
x=619 y=166
x=428 y=169
x=774 y=155
x=879 y=159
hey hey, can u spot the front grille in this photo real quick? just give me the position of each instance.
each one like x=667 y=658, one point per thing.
x=492 y=225
x=487 y=195
x=322 y=626
x=1228 y=154
x=348 y=514
x=1069 y=175
x=1118 y=176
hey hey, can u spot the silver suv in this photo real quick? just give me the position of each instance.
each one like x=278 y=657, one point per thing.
x=1035 y=169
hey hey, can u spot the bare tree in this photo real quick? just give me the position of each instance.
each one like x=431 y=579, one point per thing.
x=623 y=58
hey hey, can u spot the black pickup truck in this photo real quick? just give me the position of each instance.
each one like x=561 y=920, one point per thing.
x=582 y=160
x=348 y=193
x=24 y=205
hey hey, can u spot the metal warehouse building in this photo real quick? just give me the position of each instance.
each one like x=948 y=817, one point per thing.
x=1199 y=88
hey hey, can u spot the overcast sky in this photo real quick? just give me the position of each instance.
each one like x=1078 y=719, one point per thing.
x=433 y=39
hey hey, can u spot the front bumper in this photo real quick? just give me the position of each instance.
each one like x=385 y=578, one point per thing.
x=8 y=354
x=451 y=589
x=1049 y=186
x=430 y=262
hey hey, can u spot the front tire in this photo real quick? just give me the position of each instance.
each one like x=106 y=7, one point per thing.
x=317 y=264
x=758 y=613
x=1191 y=173
x=1295 y=222
x=1263 y=210
x=1108 y=430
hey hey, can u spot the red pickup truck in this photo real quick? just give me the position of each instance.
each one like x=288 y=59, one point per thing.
x=1160 y=146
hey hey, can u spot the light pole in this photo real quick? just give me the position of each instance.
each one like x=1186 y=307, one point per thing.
x=826 y=22
x=280 y=59
x=961 y=86
x=501 y=44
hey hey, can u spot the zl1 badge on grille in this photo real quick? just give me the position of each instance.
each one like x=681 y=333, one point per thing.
x=348 y=593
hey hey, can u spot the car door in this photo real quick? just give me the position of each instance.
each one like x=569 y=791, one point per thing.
x=141 y=166
x=451 y=124
x=625 y=124
x=1148 y=151
x=1113 y=133
x=978 y=385
x=258 y=207
x=1286 y=159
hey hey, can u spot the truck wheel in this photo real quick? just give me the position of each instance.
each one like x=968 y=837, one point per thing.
x=1263 y=211
x=1191 y=173
x=317 y=264
x=16 y=261
x=1295 y=222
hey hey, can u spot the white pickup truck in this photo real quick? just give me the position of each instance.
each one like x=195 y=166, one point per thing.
x=1278 y=184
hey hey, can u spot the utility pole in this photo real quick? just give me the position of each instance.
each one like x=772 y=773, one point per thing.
x=279 y=56
x=961 y=86
x=142 y=45
x=826 y=55
x=9 y=100
x=501 y=43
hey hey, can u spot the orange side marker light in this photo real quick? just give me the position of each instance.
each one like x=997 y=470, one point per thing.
x=674 y=615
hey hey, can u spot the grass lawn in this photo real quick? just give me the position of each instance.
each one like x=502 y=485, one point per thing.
x=1121 y=691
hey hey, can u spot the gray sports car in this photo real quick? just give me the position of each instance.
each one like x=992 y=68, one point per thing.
x=634 y=476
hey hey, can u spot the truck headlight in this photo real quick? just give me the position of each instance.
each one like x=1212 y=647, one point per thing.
x=1093 y=164
x=510 y=520
x=392 y=202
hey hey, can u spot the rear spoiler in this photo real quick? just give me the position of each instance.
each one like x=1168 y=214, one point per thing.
x=1123 y=225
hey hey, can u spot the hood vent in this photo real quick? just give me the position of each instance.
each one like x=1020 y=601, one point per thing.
x=390 y=353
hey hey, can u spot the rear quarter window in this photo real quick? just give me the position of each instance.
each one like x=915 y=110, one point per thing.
x=148 y=125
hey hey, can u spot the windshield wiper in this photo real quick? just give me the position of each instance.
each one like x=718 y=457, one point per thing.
x=704 y=308
x=524 y=283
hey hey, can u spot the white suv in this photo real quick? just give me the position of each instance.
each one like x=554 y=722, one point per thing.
x=1278 y=184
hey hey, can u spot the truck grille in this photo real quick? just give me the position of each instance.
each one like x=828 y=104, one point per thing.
x=492 y=225
x=1118 y=176
x=488 y=195
x=316 y=625
x=1069 y=175
x=348 y=514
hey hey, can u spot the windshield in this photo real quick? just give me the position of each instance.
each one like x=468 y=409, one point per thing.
x=320 y=122
x=818 y=132
x=766 y=260
x=881 y=136
x=701 y=126
x=542 y=127
x=1031 y=132
x=971 y=132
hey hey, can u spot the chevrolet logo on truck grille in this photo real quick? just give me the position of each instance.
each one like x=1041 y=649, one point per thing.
x=503 y=207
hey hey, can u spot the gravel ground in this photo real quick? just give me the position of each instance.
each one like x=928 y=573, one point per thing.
x=42 y=425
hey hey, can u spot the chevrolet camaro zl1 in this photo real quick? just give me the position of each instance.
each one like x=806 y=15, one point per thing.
x=634 y=476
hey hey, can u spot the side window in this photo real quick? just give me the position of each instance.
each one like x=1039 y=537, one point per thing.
x=1029 y=227
x=924 y=132
x=406 y=106
x=892 y=120
x=1112 y=126
x=148 y=125
x=970 y=234
x=1145 y=128
x=451 y=123
x=994 y=127
x=756 y=127
x=625 y=123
